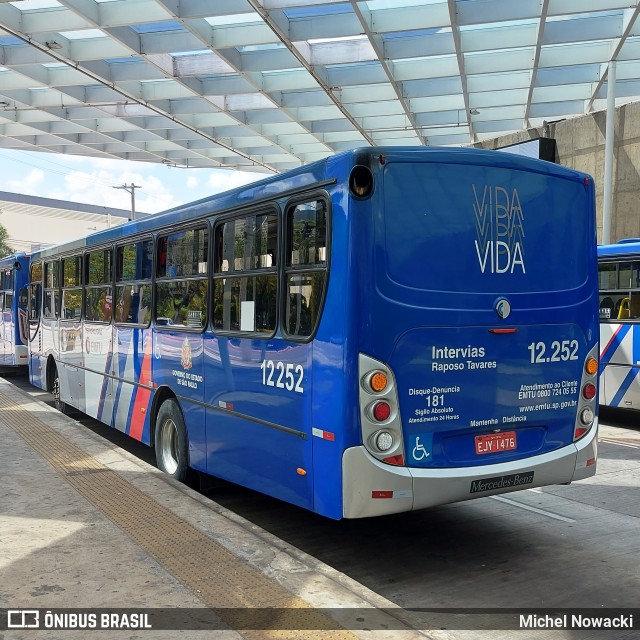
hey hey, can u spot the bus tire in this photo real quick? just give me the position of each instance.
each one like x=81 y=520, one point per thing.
x=171 y=441
x=61 y=406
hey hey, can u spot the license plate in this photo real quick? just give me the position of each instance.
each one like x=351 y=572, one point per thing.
x=496 y=442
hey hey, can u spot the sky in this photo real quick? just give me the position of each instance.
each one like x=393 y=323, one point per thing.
x=92 y=180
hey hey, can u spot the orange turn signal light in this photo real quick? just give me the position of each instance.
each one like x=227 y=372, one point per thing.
x=591 y=366
x=378 y=381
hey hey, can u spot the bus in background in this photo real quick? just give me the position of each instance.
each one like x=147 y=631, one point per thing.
x=383 y=330
x=619 y=283
x=14 y=273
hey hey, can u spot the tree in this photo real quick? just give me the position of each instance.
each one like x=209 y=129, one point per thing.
x=5 y=249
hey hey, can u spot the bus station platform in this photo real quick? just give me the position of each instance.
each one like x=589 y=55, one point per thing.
x=87 y=530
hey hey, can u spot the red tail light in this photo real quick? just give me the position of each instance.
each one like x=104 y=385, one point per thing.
x=381 y=411
x=589 y=391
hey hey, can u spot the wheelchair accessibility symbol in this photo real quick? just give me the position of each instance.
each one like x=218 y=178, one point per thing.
x=421 y=447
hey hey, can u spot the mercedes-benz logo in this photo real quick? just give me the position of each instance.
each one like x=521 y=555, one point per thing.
x=503 y=308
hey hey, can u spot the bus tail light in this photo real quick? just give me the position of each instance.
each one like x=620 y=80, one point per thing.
x=587 y=417
x=384 y=441
x=381 y=411
x=378 y=381
x=587 y=401
x=591 y=366
x=379 y=406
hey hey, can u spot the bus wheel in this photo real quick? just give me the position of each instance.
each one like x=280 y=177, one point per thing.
x=61 y=406
x=171 y=441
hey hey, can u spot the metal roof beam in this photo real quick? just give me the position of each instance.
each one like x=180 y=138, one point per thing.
x=80 y=8
x=282 y=36
x=455 y=30
x=540 y=32
x=630 y=18
x=376 y=43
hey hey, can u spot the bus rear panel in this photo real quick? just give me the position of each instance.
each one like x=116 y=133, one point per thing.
x=14 y=273
x=485 y=332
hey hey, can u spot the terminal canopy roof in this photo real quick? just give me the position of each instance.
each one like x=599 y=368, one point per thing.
x=267 y=85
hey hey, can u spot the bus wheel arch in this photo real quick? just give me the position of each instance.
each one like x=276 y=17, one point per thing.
x=170 y=437
x=161 y=394
x=53 y=385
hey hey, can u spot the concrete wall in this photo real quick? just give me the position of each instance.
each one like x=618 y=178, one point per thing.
x=580 y=143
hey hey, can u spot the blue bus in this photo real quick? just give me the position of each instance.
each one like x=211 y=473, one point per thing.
x=384 y=330
x=14 y=273
x=619 y=283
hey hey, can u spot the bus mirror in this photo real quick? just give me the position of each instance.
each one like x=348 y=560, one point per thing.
x=17 y=266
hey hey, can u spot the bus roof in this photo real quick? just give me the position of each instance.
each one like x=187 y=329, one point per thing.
x=628 y=247
x=11 y=259
x=302 y=178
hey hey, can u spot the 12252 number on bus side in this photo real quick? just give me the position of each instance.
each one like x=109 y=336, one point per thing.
x=282 y=375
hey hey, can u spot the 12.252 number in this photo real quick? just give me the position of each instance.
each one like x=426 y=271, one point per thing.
x=558 y=352
x=282 y=376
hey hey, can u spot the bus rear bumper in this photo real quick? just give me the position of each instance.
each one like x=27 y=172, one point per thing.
x=372 y=488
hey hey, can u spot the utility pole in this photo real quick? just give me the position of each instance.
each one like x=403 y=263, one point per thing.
x=131 y=188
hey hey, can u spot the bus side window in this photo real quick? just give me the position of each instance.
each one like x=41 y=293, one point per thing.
x=181 y=279
x=306 y=266
x=245 y=277
x=132 y=301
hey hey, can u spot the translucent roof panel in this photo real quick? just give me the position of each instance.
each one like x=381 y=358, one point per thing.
x=266 y=85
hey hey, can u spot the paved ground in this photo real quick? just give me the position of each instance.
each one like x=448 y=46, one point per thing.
x=569 y=547
x=85 y=524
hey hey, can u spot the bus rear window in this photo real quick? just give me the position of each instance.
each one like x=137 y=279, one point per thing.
x=467 y=228
x=7 y=279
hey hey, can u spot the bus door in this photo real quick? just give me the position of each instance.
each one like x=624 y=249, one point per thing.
x=9 y=329
x=3 y=330
x=72 y=389
x=34 y=327
x=131 y=365
x=23 y=328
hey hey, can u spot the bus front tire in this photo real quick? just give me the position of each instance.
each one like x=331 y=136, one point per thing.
x=171 y=441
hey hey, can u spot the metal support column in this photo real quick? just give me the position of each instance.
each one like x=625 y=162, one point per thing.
x=608 y=153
